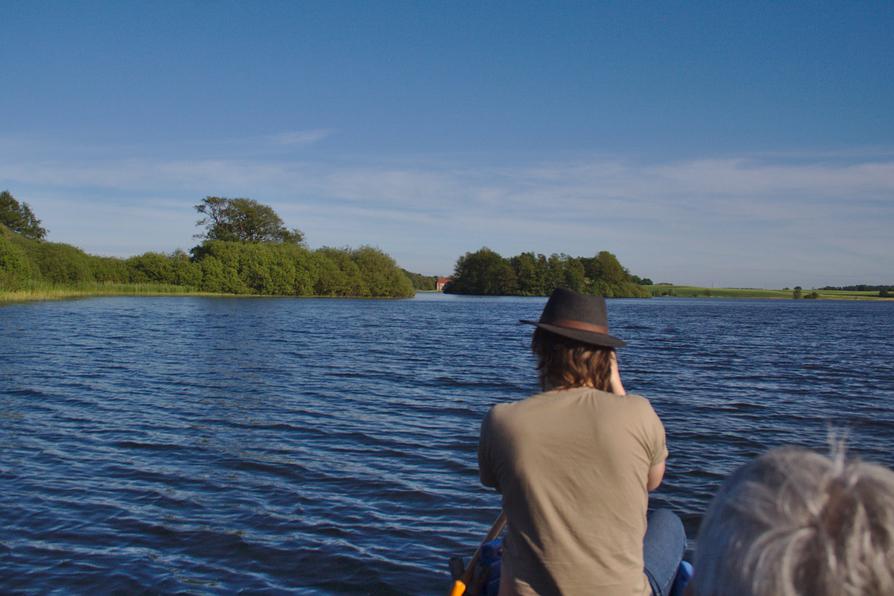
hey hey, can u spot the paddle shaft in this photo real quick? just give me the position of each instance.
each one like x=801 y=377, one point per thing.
x=459 y=586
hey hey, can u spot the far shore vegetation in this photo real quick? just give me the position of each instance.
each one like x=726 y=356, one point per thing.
x=485 y=272
x=827 y=293
x=245 y=249
x=422 y=283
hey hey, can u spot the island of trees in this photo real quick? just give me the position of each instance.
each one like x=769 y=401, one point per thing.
x=485 y=272
x=245 y=249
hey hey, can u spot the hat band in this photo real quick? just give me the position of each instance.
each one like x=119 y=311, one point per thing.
x=579 y=325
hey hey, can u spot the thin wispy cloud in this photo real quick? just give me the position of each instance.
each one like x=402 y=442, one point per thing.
x=735 y=211
x=301 y=138
x=522 y=185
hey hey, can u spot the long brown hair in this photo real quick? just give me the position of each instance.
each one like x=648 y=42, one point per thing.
x=564 y=362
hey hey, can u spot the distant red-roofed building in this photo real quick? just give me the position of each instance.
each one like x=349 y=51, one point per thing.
x=442 y=281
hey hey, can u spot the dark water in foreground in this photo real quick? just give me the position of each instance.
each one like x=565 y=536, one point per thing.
x=217 y=445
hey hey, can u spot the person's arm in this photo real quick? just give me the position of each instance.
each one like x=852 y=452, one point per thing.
x=617 y=387
x=656 y=475
x=485 y=465
x=656 y=472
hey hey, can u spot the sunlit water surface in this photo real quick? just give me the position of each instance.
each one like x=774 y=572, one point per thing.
x=216 y=445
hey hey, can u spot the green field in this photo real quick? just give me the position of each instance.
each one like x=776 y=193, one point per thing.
x=699 y=292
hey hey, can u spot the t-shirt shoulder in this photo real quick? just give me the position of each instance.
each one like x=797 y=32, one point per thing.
x=653 y=428
x=640 y=402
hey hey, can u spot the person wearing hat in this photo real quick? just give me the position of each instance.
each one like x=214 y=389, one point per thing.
x=574 y=465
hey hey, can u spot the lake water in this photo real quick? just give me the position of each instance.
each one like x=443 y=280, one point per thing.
x=319 y=446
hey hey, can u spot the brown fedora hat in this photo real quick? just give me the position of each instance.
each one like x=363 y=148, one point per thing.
x=577 y=316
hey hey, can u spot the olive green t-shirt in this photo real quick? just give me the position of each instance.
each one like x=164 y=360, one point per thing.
x=572 y=466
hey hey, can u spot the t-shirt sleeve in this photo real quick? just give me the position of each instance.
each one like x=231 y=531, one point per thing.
x=485 y=453
x=655 y=439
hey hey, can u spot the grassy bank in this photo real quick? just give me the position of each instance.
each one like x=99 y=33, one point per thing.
x=45 y=291
x=699 y=292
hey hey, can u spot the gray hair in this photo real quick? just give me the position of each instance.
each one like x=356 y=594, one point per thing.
x=794 y=522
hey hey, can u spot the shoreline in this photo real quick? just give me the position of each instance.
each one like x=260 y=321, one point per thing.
x=43 y=294
x=821 y=298
x=668 y=291
x=48 y=294
x=684 y=291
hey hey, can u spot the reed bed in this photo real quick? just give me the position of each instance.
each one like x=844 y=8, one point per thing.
x=43 y=291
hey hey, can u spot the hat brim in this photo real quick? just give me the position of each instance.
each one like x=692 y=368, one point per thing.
x=587 y=337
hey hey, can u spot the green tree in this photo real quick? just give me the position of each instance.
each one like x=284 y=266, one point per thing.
x=381 y=274
x=555 y=272
x=529 y=275
x=151 y=267
x=173 y=269
x=606 y=268
x=185 y=272
x=607 y=277
x=307 y=268
x=339 y=274
x=796 y=293
x=218 y=278
x=109 y=269
x=62 y=263
x=483 y=272
x=642 y=281
x=331 y=281
x=243 y=220
x=18 y=217
x=486 y=272
x=575 y=277
x=254 y=268
x=421 y=282
x=16 y=269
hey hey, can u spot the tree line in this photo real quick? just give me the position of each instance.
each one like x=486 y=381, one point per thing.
x=422 y=282
x=883 y=290
x=859 y=288
x=244 y=249
x=485 y=272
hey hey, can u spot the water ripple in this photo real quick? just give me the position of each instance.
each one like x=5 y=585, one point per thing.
x=191 y=445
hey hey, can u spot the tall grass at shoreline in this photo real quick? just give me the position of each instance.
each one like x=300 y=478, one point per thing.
x=46 y=291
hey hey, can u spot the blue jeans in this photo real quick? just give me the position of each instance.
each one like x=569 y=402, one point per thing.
x=663 y=549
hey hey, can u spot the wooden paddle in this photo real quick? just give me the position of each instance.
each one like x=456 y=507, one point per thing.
x=459 y=586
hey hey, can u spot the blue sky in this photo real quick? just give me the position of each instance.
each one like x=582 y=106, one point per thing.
x=721 y=143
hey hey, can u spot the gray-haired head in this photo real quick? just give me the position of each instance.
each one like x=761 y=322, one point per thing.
x=793 y=522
